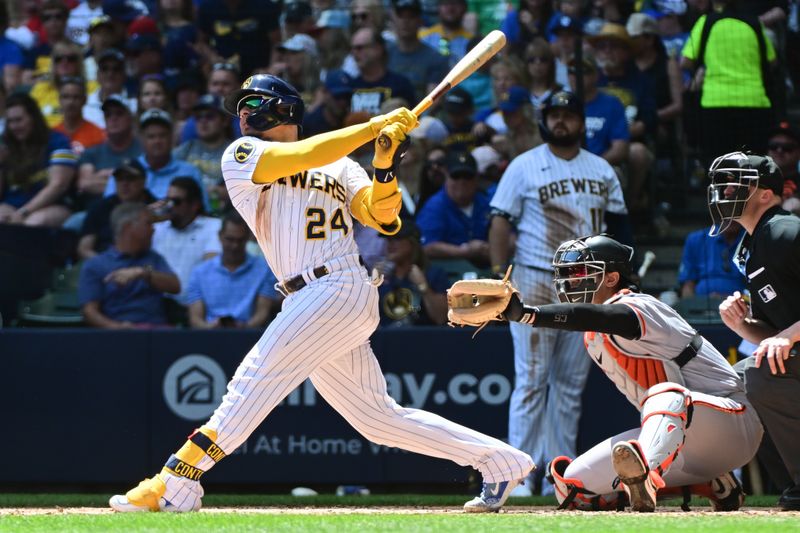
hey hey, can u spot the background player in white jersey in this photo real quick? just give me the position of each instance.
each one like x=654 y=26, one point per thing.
x=697 y=424
x=299 y=198
x=554 y=192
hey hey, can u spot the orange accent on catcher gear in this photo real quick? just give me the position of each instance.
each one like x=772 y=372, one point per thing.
x=645 y=372
x=572 y=494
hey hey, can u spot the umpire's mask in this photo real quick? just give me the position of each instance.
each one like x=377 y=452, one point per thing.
x=735 y=177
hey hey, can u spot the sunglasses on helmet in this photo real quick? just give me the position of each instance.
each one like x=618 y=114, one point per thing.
x=274 y=104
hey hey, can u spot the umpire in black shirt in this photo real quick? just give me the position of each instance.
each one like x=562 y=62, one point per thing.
x=747 y=188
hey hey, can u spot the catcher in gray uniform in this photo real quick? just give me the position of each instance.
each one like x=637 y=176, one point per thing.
x=696 y=422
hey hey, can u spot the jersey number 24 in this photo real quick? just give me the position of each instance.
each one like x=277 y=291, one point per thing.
x=316 y=221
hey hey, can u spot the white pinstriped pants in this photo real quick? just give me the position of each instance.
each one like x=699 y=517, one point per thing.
x=550 y=367
x=323 y=332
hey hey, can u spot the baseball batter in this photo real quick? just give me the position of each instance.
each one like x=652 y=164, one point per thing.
x=300 y=199
x=554 y=192
x=696 y=422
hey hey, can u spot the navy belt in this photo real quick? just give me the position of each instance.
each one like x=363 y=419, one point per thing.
x=298 y=282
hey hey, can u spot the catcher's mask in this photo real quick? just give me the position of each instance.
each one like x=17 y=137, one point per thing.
x=272 y=102
x=735 y=178
x=580 y=266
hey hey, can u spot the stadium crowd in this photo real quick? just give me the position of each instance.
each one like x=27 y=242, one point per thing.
x=106 y=102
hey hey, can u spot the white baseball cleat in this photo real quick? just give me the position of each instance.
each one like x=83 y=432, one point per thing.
x=633 y=472
x=492 y=498
x=151 y=495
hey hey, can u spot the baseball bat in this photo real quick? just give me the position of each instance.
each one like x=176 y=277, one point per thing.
x=475 y=59
x=649 y=257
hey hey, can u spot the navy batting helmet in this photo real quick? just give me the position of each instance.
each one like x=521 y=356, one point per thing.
x=579 y=266
x=561 y=99
x=272 y=102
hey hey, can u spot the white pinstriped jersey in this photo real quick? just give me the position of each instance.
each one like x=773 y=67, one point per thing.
x=636 y=365
x=300 y=221
x=553 y=200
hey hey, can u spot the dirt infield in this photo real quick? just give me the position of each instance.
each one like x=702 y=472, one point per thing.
x=665 y=511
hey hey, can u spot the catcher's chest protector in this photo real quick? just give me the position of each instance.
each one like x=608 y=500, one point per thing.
x=632 y=375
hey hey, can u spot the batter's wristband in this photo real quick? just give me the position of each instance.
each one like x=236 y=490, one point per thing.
x=207 y=445
x=384 y=175
x=179 y=468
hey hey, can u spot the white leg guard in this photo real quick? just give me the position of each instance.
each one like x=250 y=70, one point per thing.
x=571 y=494
x=666 y=413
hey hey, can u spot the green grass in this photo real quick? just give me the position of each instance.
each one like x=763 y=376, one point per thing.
x=364 y=522
x=393 y=522
x=324 y=500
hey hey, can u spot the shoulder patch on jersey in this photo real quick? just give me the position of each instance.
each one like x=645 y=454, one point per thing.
x=243 y=151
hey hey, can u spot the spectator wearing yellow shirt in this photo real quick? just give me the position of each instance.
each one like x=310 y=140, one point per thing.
x=733 y=56
x=67 y=61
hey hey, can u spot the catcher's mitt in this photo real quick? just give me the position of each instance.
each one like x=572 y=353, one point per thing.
x=476 y=302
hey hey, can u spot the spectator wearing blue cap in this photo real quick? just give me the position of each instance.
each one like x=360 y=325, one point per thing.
x=519 y=119
x=155 y=127
x=421 y=64
x=455 y=221
x=564 y=31
x=457 y=118
x=214 y=133
x=223 y=79
x=330 y=114
x=98 y=162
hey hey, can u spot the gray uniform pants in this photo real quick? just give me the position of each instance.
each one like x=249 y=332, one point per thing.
x=776 y=398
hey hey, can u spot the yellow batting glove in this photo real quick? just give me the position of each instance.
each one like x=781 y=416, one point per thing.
x=390 y=146
x=400 y=116
x=386 y=210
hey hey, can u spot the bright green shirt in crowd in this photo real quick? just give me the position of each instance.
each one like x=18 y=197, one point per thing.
x=733 y=64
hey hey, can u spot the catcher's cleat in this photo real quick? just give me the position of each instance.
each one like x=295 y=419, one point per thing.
x=640 y=483
x=150 y=495
x=492 y=498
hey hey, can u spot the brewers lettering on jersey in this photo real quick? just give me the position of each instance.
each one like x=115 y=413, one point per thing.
x=300 y=199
